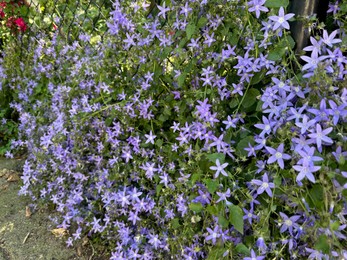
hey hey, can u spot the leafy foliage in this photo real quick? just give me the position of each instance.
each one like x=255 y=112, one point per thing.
x=191 y=131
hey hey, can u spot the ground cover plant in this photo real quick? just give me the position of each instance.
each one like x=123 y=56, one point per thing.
x=193 y=131
x=21 y=21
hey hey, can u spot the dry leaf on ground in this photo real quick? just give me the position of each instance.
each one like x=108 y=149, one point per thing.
x=12 y=177
x=59 y=232
x=27 y=212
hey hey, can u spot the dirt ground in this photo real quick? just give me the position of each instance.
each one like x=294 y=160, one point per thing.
x=26 y=235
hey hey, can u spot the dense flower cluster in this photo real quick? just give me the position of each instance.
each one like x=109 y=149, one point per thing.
x=191 y=132
x=9 y=11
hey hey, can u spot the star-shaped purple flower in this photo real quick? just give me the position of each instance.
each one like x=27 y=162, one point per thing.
x=257 y=6
x=163 y=10
x=289 y=223
x=219 y=168
x=213 y=234
x=264 y=185
x=277 y=155
x=254 y=256
x=319 y=136
x=281 y=19
x=305 y=171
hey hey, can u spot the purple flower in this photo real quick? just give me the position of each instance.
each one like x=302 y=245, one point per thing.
x=257 y=6
x=203 y=198
x=266 y=126
x=305 y=124
x=186 y=9
x=250 y=149
x=312 y=62
x=224 y=196
x=305 y=171
x=289 y=223
x=150 y=138
x=249 y=215
x=329 y=39
x=154 y=241
x=265 y=185
x=277 y=155
x=213 y=234
x=337 y=111
x=333 y=8
x=339 y=155
x=163 y=10
x=230 y=122
x=320 y=136
x=307 y=154
x=254 y=256
x=203 y=108
x=314 y=254
x=219 y=169
x=315 y=47
x=219 y=143
x=281 y=19
x=261 y=245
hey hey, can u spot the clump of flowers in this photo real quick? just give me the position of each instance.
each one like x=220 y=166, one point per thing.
x=10 y=15
x=192 y=131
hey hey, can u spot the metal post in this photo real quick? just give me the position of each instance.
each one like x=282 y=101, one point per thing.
x=302 y=8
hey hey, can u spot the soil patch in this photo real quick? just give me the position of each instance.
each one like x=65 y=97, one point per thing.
x=26 y=235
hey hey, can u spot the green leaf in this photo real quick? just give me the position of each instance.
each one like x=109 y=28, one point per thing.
x=159 y=143
x=316 y=196
x=195 y=177
x=228 y=136
x=167 y=111
x=212 y=210
x=276 y=3
x=202 y=21
x=335 y=225
x=190 y=29
x=181 y=78
x=196 y=207
x=242 y=249
x=216 y=253
x=158 y=189
x=234 y=102
x=291 y=41
x=250 y=98
x=240 y=148
x=165 y=52
x=109 y=121
x=175 y=223
x=214 y=156
x=278 y=181
x=276 y=54
x=342 y=160
x=236 y=217
x=322 y=244
x=258 y=77
x=223 y=221
x=212 y=185
x=259 y=106
x=280 y=48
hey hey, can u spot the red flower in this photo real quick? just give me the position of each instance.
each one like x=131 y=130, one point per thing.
x=2 y=7
x=9 y=9
x=21 y=24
